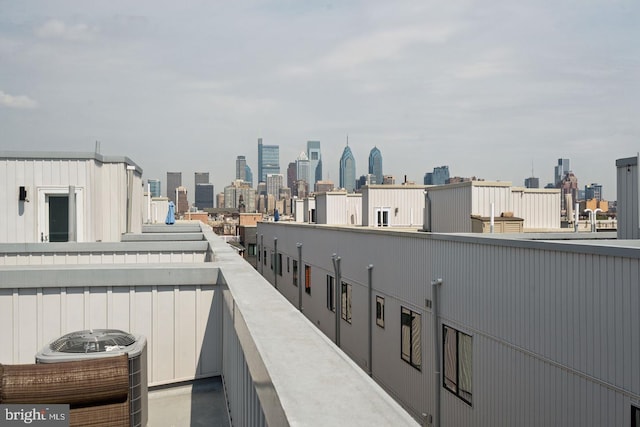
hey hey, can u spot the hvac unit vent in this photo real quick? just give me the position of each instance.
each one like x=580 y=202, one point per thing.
x=104 y=343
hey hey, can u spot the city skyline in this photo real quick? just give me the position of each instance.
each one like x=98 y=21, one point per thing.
x=455 y=84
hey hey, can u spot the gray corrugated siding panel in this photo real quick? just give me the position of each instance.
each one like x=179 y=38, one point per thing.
x=627 y=195
x=564 y=307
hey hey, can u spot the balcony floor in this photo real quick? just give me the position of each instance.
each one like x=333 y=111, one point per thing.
x=197 y=403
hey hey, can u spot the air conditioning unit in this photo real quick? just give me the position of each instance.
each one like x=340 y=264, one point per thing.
x=94 y=343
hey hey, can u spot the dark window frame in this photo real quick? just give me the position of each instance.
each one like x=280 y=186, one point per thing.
x=635 y=416
x=307 y=278
x=279 y=265
x=331 y=293
x=453 y=384
x=346 y=296
x=295 y=272
x=380 y=311
x=408 y=319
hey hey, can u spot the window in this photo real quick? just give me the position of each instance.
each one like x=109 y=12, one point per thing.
x=380 y=311
x=346 y=302
x=331 y=293
x=259 y=251
x=635 y=416
x=307 y=279
x=251 y=250
x=271 y=259
x=279 y=266
x=411 y=347
x=295 y=273
x=382 y=217
x=458 y=362
x=288 y=270
x=264 y=257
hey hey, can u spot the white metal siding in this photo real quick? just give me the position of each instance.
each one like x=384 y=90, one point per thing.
x=181 y=323
x=405 y=204
x=540 y=210
x=451 y=209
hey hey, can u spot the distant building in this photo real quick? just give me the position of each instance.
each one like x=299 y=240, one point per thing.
x=182 y=206
x=220 y=200
x=303 y=168
x=204 y=196
x=569 y=191
x=292 y=176
x=239 y=195
x=315 y=163
x=457 y=180
x=201 y=178
x=248 y=175
x=155 y=187
x=241 y=168
x=324 y=186
x=274 y=183
x=375 y=165
x=389 y=180
x=563 y=167
x=367 y=179
x=174 y=180
x=593 y=191
x=532 y=182
x=268 y=160
x=347 y=170
x=301 y=188
x=439 y=176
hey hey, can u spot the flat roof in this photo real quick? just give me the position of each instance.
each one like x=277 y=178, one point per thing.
x=67 y=155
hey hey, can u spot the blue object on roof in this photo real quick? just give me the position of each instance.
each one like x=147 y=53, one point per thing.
x=276 y=216
x=171 y=214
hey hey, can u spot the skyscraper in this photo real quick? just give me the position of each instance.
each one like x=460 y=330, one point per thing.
x=201 y=178
x=204 y=196
x=347 y=170
x=275 y=182
x=440 y=175
x=303 y=168
x=241 y=170
x=292 y=176
x=532 y=182
x=154 y=187
x=174 y=180
x=560 y=171
x=268 y=160
x=248 y=175
x=375 y=165
x=593 y=191
x=315 y=163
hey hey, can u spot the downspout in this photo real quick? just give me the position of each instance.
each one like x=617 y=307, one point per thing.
x=275 y=262
x=338 y=295
x=493 y=218
x=370 y=270
x=428 y=208
x=436 y=352
x=300 y=269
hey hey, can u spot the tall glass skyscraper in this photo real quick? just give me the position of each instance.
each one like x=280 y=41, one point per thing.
x=155 y=187
x=303 y=168
x=347 y=170
x=561 y=170
x=241 y=171
x=375 y=165
x=268 y=160
x=315 y=163
x=248 y=175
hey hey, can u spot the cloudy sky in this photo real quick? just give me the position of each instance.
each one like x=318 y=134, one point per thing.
x=492 y=89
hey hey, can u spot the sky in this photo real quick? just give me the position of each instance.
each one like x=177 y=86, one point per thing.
x=493 y=89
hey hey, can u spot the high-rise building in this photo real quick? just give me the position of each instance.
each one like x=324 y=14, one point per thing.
x=174 y=180
x=292 y=176
x=241 y=168
x=268 y=160
x=248 y=175
x=239 y=195
x=154 y=187
x=593 y=191
x=560 y=171
x=315 y=163
x=182 y=206
x=204 y=196
x=201 y=178
x=375 y=165
x=275 y=182
x=303 y=168
x=532 y=182
x=440 y=175
x=347 y=170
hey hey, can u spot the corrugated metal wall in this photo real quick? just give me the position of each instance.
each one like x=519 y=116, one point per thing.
x=450 y=209
x=182 y=324
x=554 y=330
x=406 y=205
x=540 y=210
x=482 y=197
x=627 y=193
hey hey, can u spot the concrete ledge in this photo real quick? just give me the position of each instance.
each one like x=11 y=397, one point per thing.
x=64 y=276
x=107 y=247
x=162 y=237
x=175 y=228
